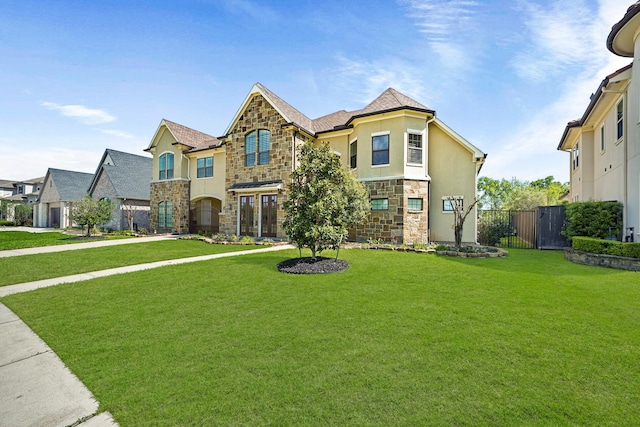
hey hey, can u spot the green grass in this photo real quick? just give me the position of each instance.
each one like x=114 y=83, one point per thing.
x=28 y=268
x=397 y=339
x=24 y=239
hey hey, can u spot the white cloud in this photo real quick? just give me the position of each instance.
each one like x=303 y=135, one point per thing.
x=449 y=27
x=365 y=80
x=116 y=133
x=88 y=116
x=14 y=166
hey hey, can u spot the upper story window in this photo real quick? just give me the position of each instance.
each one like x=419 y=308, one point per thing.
x=353 y=154
x=575 y=156
x=620 y=119
x=414 y=148
x=602 y=139
x=205 y=167
x=380 y=149
x=166 y=166
x=257 y=145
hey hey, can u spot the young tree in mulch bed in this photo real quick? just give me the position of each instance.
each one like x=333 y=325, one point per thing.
x=90 y=212
x=324 y=201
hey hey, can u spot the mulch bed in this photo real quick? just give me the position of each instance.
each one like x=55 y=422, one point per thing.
x=308 y=265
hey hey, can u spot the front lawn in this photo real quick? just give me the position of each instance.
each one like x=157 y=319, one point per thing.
x=29 y=268
x=396 y=339
x=25 y=239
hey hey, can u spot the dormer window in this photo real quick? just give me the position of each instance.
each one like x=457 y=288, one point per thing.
x=166 y=166
x=257 y=146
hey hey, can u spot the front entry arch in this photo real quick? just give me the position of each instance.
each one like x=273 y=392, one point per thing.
x=204 y=216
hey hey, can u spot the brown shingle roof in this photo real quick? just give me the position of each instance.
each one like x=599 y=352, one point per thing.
x=290 y=113
x=191 y=137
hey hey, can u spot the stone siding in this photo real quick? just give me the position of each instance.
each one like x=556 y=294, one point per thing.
x=259 y=114
x=397 y=224
x=175 y=191
x=601 y=260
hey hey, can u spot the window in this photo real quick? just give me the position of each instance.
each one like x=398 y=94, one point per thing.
x=414 y=204
x=602 y=143
x=353 y=154
x=166 y=166
x=448 y=204
x=379 y=204
x=380 y=150
x=620 y=119
x=205 y=167
x=414 y=149
x=165 y=215
x=257 y=144
x=576 y=156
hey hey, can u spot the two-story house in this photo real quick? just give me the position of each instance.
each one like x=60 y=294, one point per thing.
x=409 y=160
x=604 y=144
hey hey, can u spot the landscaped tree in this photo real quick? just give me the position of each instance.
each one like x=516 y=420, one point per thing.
x=324 y=201
x=90 y=212
x=459 y=216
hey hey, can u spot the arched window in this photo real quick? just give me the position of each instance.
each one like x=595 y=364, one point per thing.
x=166 y=166
x=165 y=215
x=257 y=145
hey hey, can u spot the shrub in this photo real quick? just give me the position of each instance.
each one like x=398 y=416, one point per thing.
x=593 y=219
x=6 y=223
x=491 y=231
x=246 y=239
x=606 y=247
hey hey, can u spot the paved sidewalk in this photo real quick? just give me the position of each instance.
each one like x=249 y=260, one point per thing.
x=36 y=388
x=87 y=245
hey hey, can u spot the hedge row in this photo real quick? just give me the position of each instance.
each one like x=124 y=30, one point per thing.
x=4 y=222
x=606 y=247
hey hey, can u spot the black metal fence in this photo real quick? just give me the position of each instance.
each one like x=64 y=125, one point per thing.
x=508 y=229
x=539 y=228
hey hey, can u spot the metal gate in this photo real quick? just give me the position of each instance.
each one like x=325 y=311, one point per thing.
x=551 y=221
x=508 y=229
x=539 y=228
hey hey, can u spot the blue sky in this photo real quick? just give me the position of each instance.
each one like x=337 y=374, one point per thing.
x=81 y=76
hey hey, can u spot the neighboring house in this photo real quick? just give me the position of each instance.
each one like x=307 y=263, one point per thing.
x=124 y=179
x=60 y=189
x=25 y=192
x=604 y=143
x=408 y=159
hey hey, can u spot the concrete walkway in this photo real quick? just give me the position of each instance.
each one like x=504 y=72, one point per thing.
x=36 y=388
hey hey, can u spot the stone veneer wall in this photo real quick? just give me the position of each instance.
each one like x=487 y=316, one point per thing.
x=396 y=224
x=175 y=191
x=416 y=223
x=259 y=114
x=601 y=260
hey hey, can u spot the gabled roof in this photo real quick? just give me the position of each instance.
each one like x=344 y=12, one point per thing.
x=389 y=100
x=130 y=174
x=186 y=136
x=614 y=77
x=70 y=185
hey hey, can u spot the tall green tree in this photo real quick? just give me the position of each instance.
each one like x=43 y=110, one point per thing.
x=515 y=194
x=90 y=212
x=324 y=201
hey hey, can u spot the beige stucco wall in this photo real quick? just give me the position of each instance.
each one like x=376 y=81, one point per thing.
x=210 y=187
x=453 y=173
x=163 y=143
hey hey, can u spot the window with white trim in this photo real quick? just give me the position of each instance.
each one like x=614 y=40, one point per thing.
x=620 y=119
x=602 y=138
x=449 y=203
x=414 y=148
x=575 y=156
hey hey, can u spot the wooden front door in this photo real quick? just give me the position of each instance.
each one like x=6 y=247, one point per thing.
x=246 y=215
x=269 y=215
